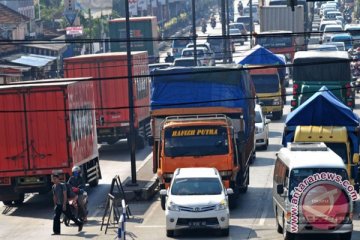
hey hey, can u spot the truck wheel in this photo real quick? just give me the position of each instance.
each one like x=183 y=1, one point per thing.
x=243 y=189
x=94 y=183
x=140 y=142
x=345 y=236
x=20 y=200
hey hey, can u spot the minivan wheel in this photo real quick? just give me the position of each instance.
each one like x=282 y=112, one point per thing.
x=345 y=236
x=170 y=233
x=287 y=235
x=225 y=232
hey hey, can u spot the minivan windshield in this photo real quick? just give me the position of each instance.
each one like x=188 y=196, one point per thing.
x=266 y=83
x=299 y=174
x=196 y=141
x=196 y=186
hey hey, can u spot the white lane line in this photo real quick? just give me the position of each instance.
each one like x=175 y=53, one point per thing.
x=150 y=213
x=150 y=226
x=144 y=162
x=263 y=216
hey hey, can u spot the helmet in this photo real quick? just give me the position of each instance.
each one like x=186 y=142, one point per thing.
x=76 y=169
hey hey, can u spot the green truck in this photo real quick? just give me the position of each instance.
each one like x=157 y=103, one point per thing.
x=314 y=69
x=143 y=33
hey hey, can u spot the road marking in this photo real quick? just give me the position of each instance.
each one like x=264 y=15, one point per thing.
x=263 y=216
x=148 y=215
x=144 y=162
x=150 y=226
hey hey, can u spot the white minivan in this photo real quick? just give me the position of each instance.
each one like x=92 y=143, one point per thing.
x=196 y=199
x=309 y=194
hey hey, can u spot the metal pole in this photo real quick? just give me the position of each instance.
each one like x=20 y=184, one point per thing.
x=229 y=44
x=194 y=30
x=223 y=26
x=131 y=98
x=251 y=24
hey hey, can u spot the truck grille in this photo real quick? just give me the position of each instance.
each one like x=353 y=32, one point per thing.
x=266 y=102
x=203 y=221
x=197 y=209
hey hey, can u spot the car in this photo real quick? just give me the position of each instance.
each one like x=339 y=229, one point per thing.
x=322 y=47
x=196 y=198
x=207 y=46
x=324 y=23
x=241 y=27
x=330 y=30
x=354 y=30
x=186 y=62
x=202 y=54
x=217 y=45
x=331 y=14
x=235 y=36
x=159 y=66
x=255 y=14
x=246 y=20
x=343 y=37
x=261 y=128
x=339 y=45
x=178 y=45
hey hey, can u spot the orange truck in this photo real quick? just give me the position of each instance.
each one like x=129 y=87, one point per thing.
x=194 y=124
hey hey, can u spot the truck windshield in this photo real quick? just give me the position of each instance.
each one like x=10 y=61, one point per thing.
x=196 y=141
x=299 y=174
x=274 y=41
x=339 y=149
x=335 y=70
x=196 y=186
x=266 y=83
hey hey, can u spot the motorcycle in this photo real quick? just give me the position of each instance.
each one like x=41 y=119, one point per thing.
x=348 y=18
x=203 y=28
x=75 y=209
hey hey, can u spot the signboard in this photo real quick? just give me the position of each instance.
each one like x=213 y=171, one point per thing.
x=70 y=16
x=133 y=7
x=142 y=4
x=74 y=31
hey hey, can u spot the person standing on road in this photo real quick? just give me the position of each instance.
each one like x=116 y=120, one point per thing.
x=61 y=205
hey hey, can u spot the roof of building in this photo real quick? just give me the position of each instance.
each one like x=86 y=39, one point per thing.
x=31 y=60
x=9 y=16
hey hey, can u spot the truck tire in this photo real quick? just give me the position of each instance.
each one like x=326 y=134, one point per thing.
x=277 y=115
x=94 y=183
x=20 y=200
x=170 y=233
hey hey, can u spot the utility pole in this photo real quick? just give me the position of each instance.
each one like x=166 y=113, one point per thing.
x=251 y=24
x=223 y=28
x=229 y=48
x=194 y=30
x=131 y=98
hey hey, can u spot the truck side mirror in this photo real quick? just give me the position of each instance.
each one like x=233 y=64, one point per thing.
x=356 y=158
x=280 y=189
x=151 y=140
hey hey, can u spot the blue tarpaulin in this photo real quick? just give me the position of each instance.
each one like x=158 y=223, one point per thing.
x=259 y=55
x=322 y=109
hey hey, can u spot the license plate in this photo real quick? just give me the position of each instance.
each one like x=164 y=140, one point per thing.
x=197 y=224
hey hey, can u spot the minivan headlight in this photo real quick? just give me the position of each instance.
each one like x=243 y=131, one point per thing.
x=221 y=206
x=258 y=129
x=173 y=207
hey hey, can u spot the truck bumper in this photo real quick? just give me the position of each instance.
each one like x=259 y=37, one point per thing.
x=112 y=134
x=270 y=109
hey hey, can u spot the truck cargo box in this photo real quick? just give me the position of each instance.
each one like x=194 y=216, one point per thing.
x=109 y=71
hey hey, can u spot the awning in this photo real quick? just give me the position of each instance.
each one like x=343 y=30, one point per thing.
x=33 y=60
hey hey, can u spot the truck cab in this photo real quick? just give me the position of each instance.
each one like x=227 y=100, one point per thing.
x=268 y=90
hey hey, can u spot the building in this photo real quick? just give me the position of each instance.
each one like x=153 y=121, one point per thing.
x=24 y=7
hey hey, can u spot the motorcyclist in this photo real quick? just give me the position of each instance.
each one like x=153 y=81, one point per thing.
x=78 y=185
x=240 y=8
x=213 y=21
x=169 y=58
x=203 y=25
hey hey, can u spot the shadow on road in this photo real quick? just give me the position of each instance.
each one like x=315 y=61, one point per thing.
x=121 y=152
x=263 y=161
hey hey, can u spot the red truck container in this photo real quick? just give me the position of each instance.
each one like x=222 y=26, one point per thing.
x=46 y=128
x=109 y=71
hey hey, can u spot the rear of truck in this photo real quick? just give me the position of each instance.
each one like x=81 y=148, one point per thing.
x=109 y=71
x=315 y=69
x=47 y=128
x=207 y=109
x=143 y=31
x=268 y=90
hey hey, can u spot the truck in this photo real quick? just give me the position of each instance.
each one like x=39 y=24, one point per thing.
x=323 y=117
x=47 y=128
x=143 y=31
x=109 y=71
x=314 y=69
x=278 y=35
x=269 y=81
x=203 y=117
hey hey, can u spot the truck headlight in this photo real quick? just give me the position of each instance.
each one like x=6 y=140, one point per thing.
x=221 y=206
x=276 y=101
x=173 y=207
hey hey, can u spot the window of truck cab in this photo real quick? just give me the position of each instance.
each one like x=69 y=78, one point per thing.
x=266 y=83
x=196 y=141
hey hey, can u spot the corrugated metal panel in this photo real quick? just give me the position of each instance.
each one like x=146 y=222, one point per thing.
x=34 y=60
x=281 y=18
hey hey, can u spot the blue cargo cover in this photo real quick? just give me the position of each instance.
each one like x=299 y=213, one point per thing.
x=322 y=109
x=259 y=55
x=203 y=87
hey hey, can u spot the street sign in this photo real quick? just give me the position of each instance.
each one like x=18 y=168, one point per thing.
x=70 y=16
x=74 y=31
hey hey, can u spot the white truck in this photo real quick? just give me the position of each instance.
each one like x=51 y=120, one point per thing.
x=272 y=19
